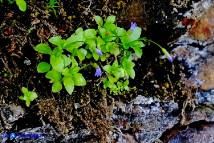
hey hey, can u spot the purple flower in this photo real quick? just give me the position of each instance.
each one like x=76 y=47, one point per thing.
x=99 y=52
x=133 y=26
x=169 y=57
x=98 y=72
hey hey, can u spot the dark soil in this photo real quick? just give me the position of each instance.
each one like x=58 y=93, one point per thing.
x=22 y=31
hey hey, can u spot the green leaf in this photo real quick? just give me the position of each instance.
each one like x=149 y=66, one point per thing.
x=138 y=44
x=56 y=87
x=22 y=5
x=74 y=70
x=111 y=19
x=114 y=49
x=57 y=51
x=24 y=90
x=103 y=58
x=57 y=63
x=57 y=40
x=74 y=62
x=110 y=27
x=88 y=55
x=43 y=48
x=138 y=51
x=131 y=72
x=69 y=84
x=115 y=65
x=102 y=31
x=66 y=72
x=104 y=49
x=78 y=79
x=95 y=55
x=118 y=72
x=32 y=96
x=28 y=96
x=81 y=53
x=134 y=35
x=27 y=102
x=110 y=46
x=127 y=64
x=92 y=43
x=126 y=83
x=112 y=86
x=100 y=41
x=79 y=30
x=71 y=46
x=120 y=31
x=105 y=82
x=21 y=97
x=90 y=33
x=107 y=68
x=43 y=67
x=119 y=84
x=98 y=20
x=76 y=38
x=112 y=79
x=54 y=75
x=67 y=60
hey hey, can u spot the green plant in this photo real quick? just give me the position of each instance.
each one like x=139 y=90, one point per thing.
x=52 y=5
x=109 y=48
x=20 y=3
x=28 y=96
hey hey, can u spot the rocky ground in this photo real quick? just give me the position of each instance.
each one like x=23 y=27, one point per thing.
x=171 y=102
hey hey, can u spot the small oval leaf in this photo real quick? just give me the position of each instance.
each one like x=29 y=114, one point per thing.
x=56 y=87
x=57 y=63
x=53 y=75
x=69 y=84
x=22 y=5
x=43 y=48
x=43 y=67
x=78 y=79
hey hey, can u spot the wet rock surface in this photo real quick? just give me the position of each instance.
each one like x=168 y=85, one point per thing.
x=144 y=119
x=195 y=51
x=201 y=134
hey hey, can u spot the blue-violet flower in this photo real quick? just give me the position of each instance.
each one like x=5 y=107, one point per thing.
x=99 y=52
x=133 y=26
x=169 y=57
x=98 y=72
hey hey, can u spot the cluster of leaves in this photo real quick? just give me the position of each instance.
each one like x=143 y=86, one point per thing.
x=109 y=47
x=20 y=3
x=62 y=68
x=28 y=96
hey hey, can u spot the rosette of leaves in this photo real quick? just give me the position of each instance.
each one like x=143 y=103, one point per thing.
x=63 y=69
x=28 y=96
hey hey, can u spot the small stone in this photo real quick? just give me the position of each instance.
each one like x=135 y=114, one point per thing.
x=203 y=28
x=206 y=74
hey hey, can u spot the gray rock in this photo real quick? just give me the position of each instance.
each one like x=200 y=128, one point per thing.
x=145 y=118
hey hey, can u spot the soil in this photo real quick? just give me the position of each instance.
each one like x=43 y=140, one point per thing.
x=87 y=106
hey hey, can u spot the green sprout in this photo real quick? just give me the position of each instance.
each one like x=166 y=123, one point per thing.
x=28 y=96
x=52 y=5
